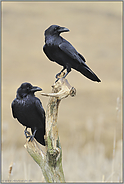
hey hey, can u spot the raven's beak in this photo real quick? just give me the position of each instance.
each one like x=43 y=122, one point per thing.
x=63 y=29
x=35 y=88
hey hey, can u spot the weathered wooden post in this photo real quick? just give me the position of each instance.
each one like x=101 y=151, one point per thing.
x=51 y=161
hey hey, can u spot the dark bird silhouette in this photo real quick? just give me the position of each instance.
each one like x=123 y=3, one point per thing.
x=59 y=50
x=29 y=111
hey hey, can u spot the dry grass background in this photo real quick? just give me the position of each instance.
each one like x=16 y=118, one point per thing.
x=89 y=124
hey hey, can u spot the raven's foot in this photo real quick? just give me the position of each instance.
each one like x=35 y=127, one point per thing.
x=58 y=75
x=26 y=132
x=31 y=138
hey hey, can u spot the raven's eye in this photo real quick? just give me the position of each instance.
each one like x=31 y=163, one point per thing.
x=56 y=28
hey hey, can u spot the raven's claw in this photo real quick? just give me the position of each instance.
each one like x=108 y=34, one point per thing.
x=57 y=75
x=57 y=80
x=31 y=138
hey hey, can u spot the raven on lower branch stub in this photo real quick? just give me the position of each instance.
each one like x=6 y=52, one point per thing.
x=59 y=50
x=29 y=111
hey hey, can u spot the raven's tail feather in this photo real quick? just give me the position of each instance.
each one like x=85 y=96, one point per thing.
x=87 y=72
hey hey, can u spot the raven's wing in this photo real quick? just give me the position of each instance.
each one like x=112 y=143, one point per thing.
x=39 y=136
x=47 y=52
x=68 y=49
x=13 y=109
x=40 y=109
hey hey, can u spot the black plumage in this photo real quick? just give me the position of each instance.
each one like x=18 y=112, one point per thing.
x=29 y=111
x=59 y=50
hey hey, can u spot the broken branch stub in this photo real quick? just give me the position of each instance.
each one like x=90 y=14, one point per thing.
x=61 y=89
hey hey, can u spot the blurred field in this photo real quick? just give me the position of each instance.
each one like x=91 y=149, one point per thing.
x=89 y=123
